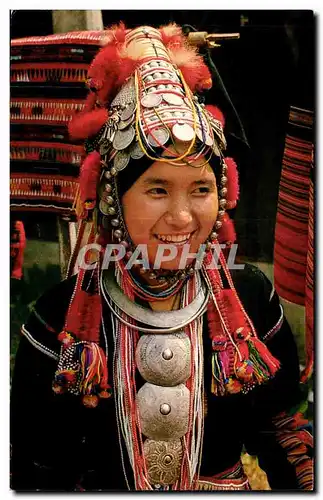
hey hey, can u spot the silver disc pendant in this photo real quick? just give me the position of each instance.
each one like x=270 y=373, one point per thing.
x=124 y=124
x=151 y=100
x=123 y=138
x=163 y=411
x=104 y=207
x=173 y=99
x=121 y=160
x=164 y=359
x=183 y=132
x=126 y=113
x=164 y=460
x=158 y=137
x=136 y=152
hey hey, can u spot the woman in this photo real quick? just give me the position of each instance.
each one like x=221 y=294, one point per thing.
x=168 y=364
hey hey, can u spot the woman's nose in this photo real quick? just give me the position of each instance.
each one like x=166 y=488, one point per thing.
x=179 y=216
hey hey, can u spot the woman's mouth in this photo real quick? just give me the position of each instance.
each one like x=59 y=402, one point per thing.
x=175 y=239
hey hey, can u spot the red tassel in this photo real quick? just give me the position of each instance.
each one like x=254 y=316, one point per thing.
x=233 y=182
x=197 y=77
x=84 y=125
x=89 y=176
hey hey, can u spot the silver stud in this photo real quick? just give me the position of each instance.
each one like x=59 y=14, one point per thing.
x=107 y=175
x=168 y=459
x=218 y=224
x=152 y=276
x=109 y=200
x=224 y=180
x=221 y=214
x=191 y=271
x=115 y=222
x=165 y=409
x=111 y=210
x=213 y=235
x=113 y=171
x=223 y=191
x=108 y=188
x=167 y=354
x=118 y=233
x=223 y=203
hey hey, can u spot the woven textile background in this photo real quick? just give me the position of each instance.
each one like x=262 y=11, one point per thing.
x=293 y=250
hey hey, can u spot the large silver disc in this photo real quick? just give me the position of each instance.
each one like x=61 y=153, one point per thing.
x=123 y=138
x=151 y=100
x=173 y=99
x=136 y=152
x=128 y=111
x=183 y=132
x=121 y=160
x=159 y=134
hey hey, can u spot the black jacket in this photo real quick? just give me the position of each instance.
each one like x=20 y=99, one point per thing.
x=58 y=444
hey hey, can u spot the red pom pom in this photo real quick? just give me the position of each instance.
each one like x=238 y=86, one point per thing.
x=227 y=233
x=89 y=176
x=233 y=182
x=216 y=113
x=84 y=125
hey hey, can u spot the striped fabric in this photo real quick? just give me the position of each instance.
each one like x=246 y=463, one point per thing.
x=296 y=440
x=293 y=251
x=291 y=234
x=47 y=87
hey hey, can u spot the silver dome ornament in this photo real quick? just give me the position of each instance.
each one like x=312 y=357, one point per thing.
x=115 y=222
x=213 y=235
x=218 y=224
x=108 y=188
x=118 y=233
x=165 y=409
x=109 y=200
x=167 y=354
x=152 y=276
x=221 y=214
x=223 y=203
x=113 y=171
x=223 y=191
x=111 y=211
x=107 y=175
x=223 y=180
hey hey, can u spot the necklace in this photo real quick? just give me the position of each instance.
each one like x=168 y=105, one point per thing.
x=161 y=322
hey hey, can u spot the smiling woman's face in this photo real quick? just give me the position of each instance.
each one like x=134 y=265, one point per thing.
x=173 y=205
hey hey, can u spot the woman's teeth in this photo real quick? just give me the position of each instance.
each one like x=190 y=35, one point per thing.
x=173 y=238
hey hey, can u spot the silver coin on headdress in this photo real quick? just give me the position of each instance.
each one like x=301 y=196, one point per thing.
x=104 y=207
x=151 y=100
x=173 y=99
x=123 y=138
x=158 y=137
x=128 y=111
x=105 y=145
x=135 y=151
x=183 y=132
x=124 y=124
x=121 y=160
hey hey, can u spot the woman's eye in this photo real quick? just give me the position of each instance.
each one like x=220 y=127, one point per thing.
x=157 y=191
x=202 y=190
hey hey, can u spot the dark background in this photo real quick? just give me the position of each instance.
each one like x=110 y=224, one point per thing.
x=268 y=69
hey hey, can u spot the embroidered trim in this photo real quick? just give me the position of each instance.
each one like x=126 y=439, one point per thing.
x=276 y=327
x=38 y=345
